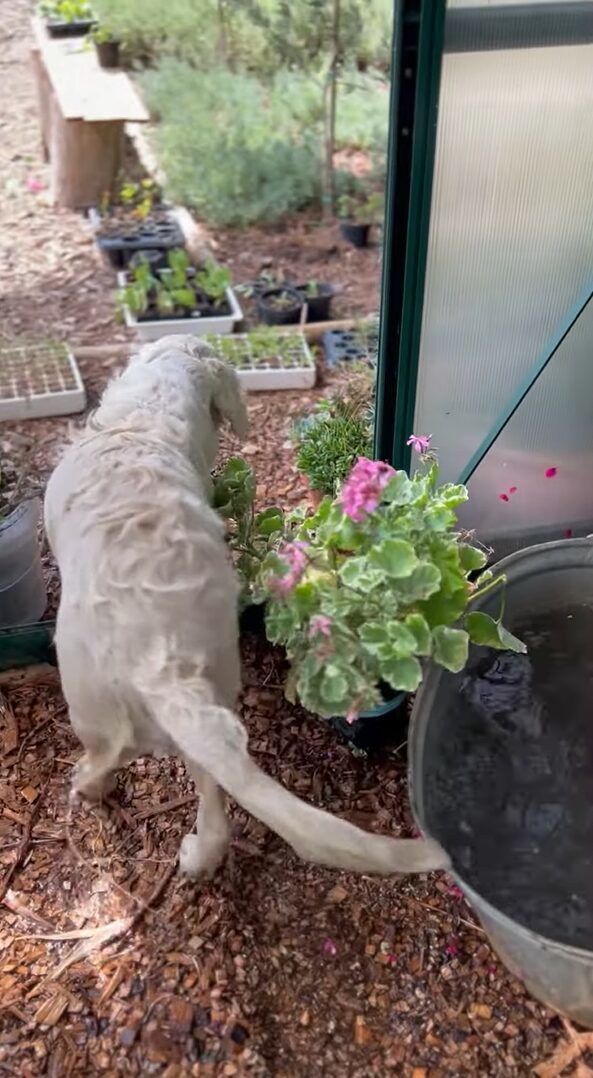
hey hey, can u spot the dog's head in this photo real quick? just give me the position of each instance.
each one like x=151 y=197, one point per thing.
x=216 y=382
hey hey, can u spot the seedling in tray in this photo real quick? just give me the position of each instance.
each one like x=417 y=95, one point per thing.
x=267 y=359
x=162 y=299
x=135 y=221
x=67 y=17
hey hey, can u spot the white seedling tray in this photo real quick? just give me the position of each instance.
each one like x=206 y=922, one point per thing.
x=39 y=380
x=295 y=371
x=199 y=326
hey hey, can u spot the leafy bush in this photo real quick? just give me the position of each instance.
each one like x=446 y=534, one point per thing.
x=236 y=152
x=331 y=440
x=261 y=36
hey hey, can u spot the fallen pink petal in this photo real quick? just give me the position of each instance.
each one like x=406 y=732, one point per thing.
x=513 y=490
x=452 y=949
x=34 y=186
x=503 y=497
x=455 y=891
x=551 y=472
x=568 y=533
x=329 y=947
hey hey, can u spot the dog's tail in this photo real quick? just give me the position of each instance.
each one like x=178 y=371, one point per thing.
x=214 y=738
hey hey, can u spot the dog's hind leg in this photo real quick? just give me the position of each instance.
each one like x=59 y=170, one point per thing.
x=202 y=853
x=94 y=774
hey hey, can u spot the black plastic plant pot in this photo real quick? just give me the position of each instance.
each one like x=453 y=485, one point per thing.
x=501 y=772
x=73 y=28
x=280 y=306
x=357 y=235
x=108 y=53
x=156 y=259
x=318 y=306
x=253 y=619
x=381 y=728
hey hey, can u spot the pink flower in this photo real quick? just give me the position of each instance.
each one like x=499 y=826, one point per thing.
x=551 y=472
x=34 y=186
x=295 y=559
x=503 y=497
x=352 y=716
x=420 y=442
x=361 y=492
x=320 y=625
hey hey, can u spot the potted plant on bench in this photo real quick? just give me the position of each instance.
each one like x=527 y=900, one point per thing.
x=107 y=47
x=67 y=18
x=178 y=298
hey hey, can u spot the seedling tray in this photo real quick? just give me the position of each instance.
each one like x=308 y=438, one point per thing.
x=160 y=235
x=294 y=369
x=345 y=346
x=74 y=28
x=198 y=325
x=39 y=379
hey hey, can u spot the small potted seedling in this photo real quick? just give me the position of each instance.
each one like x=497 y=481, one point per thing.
x=358 y=216
x=107 y=46
x=267 y=358
x=318 y=296
x=164 y=300
x=279 y=306
x=135 y=220
x=66 y=18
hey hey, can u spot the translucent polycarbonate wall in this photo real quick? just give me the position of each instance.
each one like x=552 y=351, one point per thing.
x=510 y=253
x=534 y=483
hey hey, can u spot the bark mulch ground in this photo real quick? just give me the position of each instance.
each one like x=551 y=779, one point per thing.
x=109 y=962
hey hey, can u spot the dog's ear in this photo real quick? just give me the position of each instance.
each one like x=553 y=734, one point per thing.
x=227 y=399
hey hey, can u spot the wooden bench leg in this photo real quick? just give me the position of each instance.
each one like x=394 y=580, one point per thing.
x=85 y=159
x=44 y=96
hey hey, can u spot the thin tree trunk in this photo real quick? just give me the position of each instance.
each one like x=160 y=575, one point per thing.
x=329 y=112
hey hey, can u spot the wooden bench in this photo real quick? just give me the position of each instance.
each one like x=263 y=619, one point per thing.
x=83 y=110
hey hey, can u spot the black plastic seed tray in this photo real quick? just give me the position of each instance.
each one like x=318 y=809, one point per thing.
x=119 y=248
x=73 y=28
x=342 y=346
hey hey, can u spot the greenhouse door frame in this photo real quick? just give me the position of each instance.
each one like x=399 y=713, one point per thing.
x=421 y=35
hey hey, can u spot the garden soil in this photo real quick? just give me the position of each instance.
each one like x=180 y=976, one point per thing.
x=109 y=962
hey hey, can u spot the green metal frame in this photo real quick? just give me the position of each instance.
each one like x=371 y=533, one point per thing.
x=416 y=68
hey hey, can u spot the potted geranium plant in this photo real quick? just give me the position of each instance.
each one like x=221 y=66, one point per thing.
x=372 y=585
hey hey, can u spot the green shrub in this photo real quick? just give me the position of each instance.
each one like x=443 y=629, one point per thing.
x=331 y=439
x=235 y=151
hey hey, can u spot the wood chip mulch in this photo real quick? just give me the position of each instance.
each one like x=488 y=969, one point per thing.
x=110 y=963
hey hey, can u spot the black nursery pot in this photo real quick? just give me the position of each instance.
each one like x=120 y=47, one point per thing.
x=357 y=235
x=253 y=619
x=379 y=729
x=286 y=315
x=108 y=53
x=318 y=307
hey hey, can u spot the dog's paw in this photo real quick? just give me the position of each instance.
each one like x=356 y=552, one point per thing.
x=90 y=782
x=199 y=857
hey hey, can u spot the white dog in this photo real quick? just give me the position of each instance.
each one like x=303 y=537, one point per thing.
x=147 y=632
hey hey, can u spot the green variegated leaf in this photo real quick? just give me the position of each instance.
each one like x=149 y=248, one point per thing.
x=450 y=648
